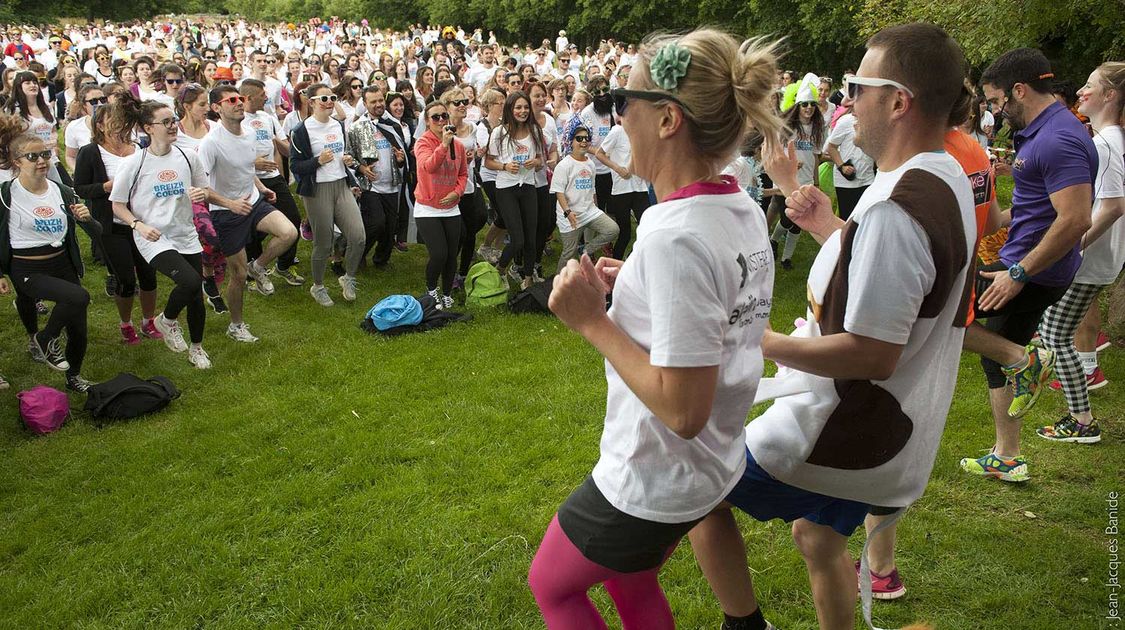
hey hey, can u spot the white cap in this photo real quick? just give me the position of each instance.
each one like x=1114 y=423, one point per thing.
x=806 y=91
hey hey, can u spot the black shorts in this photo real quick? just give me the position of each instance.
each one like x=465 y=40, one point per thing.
x=609 y=537
x=235 y=230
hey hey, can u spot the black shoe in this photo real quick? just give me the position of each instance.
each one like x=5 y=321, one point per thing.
x=773 y=246
x=49 y=353
x=111 y=285
x=787 y=264
x=76 y=383
x=338 y=268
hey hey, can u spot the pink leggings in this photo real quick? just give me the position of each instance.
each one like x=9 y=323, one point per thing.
x=560 y=577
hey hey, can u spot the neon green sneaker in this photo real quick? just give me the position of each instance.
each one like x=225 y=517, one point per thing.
x=1028 y=382
x=1014 y=470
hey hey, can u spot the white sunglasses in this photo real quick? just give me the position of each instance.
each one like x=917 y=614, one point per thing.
x=853 y=82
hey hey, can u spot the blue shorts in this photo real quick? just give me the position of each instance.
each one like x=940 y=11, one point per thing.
x=765 y=498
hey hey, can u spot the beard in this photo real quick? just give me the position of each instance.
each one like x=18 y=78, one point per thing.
x=603 y=105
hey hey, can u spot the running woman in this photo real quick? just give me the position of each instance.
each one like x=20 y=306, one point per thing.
x=40 y=253
x=682 y=341
x=152 y=194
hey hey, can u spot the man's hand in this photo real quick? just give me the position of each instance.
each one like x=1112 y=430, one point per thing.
x=811 y=210
x=264 y=164
x=1000 y=292
x=240 y=206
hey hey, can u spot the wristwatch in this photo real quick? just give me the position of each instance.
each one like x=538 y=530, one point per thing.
x=1017 y=273
x=133 y=225
x=566 y=213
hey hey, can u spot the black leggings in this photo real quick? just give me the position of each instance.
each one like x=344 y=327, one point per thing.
x=848 y=198
x=545 y=220
x=473 y=219
x=186 y=270
x=54 y=280
x=620 y=207
x=493 y=208
x=518 y=206
x=288 y=207
x=126 y=263
x=603 y=190
x=441 y=235
x=375 y=209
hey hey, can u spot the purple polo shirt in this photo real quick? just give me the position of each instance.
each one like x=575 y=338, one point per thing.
x=1055 y=151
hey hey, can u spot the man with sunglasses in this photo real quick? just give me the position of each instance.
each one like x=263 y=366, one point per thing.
x=598 y=118
x=1054 y=170
x=860 y=407
x=241 y=204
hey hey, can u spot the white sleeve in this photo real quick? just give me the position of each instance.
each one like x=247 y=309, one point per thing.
x=891 y=271
x=687 y=314
x=610 y=140
x=1111 y=170
x=199 y=177
x=70 y=136
x=839 y=132
x=123 y=180
x=482 y=136
x=494 y=148
x=206 y=154
x=561 y=178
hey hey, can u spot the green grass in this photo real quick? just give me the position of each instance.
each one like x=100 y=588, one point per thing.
x=325 y=478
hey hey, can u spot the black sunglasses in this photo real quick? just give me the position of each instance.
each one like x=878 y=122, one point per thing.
x=173 y=81
x=88 y=84
x=621 y=99
x=582 y=139
x=601 y=91
x=36 y=156
x=97 y=100
x=439 y=117
x=459 y=102
x=356 y=86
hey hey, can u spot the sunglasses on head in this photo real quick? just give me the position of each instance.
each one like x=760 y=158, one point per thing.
x=35 y=156
x=234 y=99
x=97 y=100
x=439 y=117
x=324 y=98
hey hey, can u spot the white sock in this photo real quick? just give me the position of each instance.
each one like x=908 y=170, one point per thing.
x=790 y=245
x=778 y=232
x=1089 y=361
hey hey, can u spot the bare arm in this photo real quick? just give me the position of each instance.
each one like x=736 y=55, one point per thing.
x=1111 y=211
x=840 y=356
x=1072 y=204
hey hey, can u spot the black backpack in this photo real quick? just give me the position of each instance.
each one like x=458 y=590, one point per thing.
x=533 y=299
x=128 y=396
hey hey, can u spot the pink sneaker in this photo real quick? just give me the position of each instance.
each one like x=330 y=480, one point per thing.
x=885 y=587
x=306 y=231
x=129 y=335
x=1097 y=380
x=148 y=329
x=1103 y=342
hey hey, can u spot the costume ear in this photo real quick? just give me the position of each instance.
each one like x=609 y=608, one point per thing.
x=866 y=430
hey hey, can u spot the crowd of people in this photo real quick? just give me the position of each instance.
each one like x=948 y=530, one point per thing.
x=677 y=172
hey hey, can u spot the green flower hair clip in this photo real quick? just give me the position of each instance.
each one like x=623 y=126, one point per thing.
x=669 y=65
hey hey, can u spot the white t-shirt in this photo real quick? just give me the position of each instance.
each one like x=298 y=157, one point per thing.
x=1102 y=259
x=576 y=180
x=878 y=445
x=486 y=174
x=470 y=144
x=160 y=199
x=330 y=135
x=265 y=128
x=188 y=143
x=806 y=155
x=616 y=146
x=503 y=149
x=551 y=137
x=228 y=161
x=384 y=168
x=36 y=220
x=843 y=136
x=77 y=134
x=695 y=292
x=43 y=129
x=153 y=95
x=599 y=127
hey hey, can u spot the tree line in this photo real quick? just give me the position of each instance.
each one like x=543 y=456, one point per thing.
x=823 y=36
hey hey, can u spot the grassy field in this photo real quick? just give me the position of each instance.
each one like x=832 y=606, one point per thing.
x=324 y=478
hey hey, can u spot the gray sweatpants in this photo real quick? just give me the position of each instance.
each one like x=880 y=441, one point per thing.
x=334 y=204
x=599 y=233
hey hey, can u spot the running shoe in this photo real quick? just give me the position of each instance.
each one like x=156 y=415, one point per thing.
x=887 y=586
x=320 y=294
x=260 y=277
x=218 y=304
x=240 y=332
x=402 y=246
x=148 y=329
x=3 y=382
x=1103 y=342
x=786 y=264
x=1028 y=381
x=1014 y=470
x=41 y=307
x=514 y=275
x=75 y=382
x=537 y=273
x=111 y=285
x=173 y=336
x=129 y=334
x=438 y=304
x=291 y=277
x=526 y=283
x=446 y=302
x=347 y=287
x=1067 y=429
x=306 y=231
x=198 y=357
x=49 y=354
x=1094 y=380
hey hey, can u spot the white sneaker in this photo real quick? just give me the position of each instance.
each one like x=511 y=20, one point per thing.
x=260 y=277
x=173 y=336
x=438 y=304
x=515 y=275
x=198 y=357
x=240 y=332
x=446 y=302
x=320 y=294
x=347 y=285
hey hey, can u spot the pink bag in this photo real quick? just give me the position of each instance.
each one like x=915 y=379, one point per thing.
x=43 y=409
